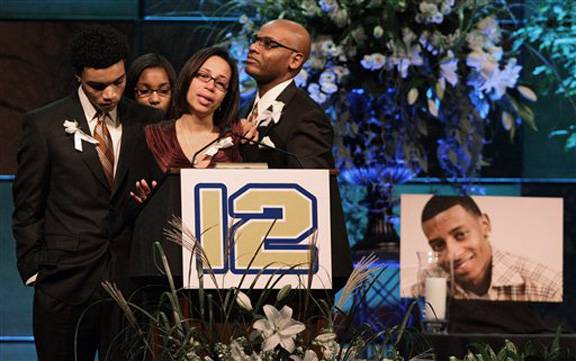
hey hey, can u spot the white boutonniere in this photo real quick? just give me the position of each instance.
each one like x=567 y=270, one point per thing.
x=71 y=127
x=266 y=141
x=221 y=144
x=272 y=114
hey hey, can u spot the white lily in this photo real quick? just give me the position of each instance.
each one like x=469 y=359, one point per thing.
x=278 y=328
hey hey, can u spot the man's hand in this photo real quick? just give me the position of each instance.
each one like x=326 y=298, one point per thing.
x=142 y=190
x=248 y=130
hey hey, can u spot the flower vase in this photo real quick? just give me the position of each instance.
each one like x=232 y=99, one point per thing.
x=380 y=234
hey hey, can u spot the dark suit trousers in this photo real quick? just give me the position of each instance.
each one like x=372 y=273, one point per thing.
x=56 y=324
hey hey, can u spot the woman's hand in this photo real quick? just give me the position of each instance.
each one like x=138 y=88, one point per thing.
x=142 y=190
x=249 y=131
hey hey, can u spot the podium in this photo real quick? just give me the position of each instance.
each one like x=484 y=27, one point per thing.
x=166 y=202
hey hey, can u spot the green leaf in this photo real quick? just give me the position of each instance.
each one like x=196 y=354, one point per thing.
x=524 y=112
x=570 y=142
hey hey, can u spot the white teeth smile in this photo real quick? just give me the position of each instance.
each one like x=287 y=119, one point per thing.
x=462 y=264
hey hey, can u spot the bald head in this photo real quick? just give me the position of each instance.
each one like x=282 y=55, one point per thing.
x=293 y=34
x=278 y=53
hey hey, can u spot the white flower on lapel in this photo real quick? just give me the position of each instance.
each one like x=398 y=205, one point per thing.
x=270 y=115
x=71 y=127
x=267 y=142
x=221 y=144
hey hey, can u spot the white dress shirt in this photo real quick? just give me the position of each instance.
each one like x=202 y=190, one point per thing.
x=269 y=97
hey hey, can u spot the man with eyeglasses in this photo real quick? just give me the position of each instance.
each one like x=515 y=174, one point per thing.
x=70 y=183
x=286 y=118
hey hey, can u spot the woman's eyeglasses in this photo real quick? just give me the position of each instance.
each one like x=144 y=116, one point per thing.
x=220 y=82
x=147 y=92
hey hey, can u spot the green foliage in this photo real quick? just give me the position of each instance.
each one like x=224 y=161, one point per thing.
x=531 y=351
x=549 y=34
x=355 y=211
x=222 y=324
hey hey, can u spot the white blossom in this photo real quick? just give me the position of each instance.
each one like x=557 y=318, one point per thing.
x=507 y=120
x=378 y=32
x=302 y=78
x=412 y=96
x=278 y=328
x=448 y=67
x=244 y=301
x=316 y=94
x=489 y=27
x=373 y=61
x=527 y=93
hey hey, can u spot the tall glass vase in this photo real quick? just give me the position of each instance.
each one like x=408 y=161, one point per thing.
x=434 y=281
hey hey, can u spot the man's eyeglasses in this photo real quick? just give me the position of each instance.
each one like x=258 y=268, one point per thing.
x=147 y=92
x=220 y=82
x=269 y=44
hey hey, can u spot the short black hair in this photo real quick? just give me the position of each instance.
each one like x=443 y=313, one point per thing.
x=143 y=62
x=228 y=111
x=438 y=204
x=97 y=47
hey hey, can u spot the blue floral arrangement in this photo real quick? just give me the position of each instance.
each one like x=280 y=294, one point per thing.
x=413 y=87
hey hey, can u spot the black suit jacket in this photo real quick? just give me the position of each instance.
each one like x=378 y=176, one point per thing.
x=66 y=221
x=305 y=132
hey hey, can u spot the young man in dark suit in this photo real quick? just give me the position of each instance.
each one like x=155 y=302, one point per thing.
x=295 y=130
x=71 y=180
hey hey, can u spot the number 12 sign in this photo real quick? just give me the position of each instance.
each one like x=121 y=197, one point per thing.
x=257 y=225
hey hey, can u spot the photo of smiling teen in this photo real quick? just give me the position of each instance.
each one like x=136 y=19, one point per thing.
x=456 y=228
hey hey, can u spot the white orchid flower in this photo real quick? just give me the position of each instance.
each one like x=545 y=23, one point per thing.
x=278 y=328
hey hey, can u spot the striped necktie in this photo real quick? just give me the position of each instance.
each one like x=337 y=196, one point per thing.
x=104 y=147
x=254 y=114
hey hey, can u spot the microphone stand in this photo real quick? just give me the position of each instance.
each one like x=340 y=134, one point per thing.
x=292 y=155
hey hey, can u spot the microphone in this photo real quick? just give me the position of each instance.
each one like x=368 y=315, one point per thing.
x=220 y=137
x=282 y=151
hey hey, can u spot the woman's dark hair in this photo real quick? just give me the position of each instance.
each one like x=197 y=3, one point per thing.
x=143 y=62
x=228 y=111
